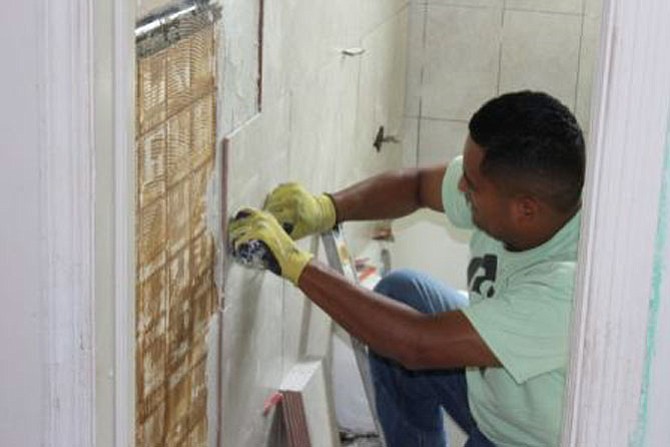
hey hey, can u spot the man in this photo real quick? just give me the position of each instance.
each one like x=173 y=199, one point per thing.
x=497 y=363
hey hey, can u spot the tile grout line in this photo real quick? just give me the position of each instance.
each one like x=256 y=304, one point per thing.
x=445 y=120
x=541 y=11
x=393 y=15
x=418 y=137
x=457 y=5
x=500 y=46
x=424 y=39
x=579 y=57
x=504 y=7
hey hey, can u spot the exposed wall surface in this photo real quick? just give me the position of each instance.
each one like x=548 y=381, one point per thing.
x=320 y=112
x=175 y=250
x=462 y=53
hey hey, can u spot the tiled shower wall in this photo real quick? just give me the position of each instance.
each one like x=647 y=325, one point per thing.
x=320 y=112
x=462 y=53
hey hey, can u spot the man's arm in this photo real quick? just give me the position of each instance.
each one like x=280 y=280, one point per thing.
x=394 y=330
x=391 y=329
x=391 y=194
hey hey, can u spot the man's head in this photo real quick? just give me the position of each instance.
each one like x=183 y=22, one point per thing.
x=523 y=166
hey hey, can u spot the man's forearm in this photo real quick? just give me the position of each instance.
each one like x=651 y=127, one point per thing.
x=389 y=195
x=387 y=326
x=392 y=329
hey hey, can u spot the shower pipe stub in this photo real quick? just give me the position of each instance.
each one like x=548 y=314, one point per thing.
x=166 y=26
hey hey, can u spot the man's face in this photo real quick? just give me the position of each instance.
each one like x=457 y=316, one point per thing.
x=491 y=208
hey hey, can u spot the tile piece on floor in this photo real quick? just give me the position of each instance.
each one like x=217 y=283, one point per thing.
x=306 y=407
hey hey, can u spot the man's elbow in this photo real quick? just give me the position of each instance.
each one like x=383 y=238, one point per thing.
x=408 y=361
x=416 y=357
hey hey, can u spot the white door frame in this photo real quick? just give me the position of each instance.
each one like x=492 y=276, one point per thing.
x=67 y=176
x=79 y=88
x=629 y=124
x=619 y=226
x=114 y=87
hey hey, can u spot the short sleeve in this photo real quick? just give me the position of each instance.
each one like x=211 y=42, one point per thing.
x=527 y=326
x=455 y=206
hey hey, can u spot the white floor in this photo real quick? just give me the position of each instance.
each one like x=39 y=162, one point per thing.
x=456 y=436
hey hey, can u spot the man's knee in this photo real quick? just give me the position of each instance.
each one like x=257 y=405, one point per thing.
x=421 y=292
x=400 y=285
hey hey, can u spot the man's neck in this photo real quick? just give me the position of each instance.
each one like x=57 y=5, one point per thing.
x=542 y=234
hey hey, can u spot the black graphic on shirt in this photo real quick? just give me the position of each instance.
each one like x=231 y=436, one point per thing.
x=482 y=275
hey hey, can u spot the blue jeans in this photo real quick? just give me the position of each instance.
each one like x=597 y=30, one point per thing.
x=410 y=403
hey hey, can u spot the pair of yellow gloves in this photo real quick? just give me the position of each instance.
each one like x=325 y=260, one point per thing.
x=290 y=213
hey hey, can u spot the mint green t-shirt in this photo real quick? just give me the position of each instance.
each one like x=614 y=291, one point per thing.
x=520 y=304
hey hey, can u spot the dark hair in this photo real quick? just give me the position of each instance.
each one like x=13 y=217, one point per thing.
x=532 y=143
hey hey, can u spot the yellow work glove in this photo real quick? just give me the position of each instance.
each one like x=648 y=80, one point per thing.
x=300 y=212
x=254 y=233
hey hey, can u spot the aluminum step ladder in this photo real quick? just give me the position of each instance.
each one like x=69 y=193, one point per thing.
x=340 y=259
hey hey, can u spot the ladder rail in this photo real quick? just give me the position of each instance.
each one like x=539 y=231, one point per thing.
x=340 y=259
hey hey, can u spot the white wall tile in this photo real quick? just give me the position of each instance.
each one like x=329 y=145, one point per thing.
x=258 y=157
x=415 y=57
x=373 y=13
x=293 y=316
x=461 y=60
x=307 y=328
x=541 y=52
x=440 y=140
x=319 y=331
x=587 y=67
x=303 y=36
x=593 y=8
x=381 y=101
x=409 y=143
x=564 y=6
x=251 y=355
x=274 y=77
x=323 y=123
x=253 y=327
x=238 y=64
x=467 y=3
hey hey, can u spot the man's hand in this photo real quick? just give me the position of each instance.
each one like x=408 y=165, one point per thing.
x=300 y=212
x=256 y=225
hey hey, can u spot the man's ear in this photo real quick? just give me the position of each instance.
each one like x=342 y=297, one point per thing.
x=526 y=208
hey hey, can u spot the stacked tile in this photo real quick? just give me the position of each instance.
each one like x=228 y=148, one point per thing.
x=176 y=294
